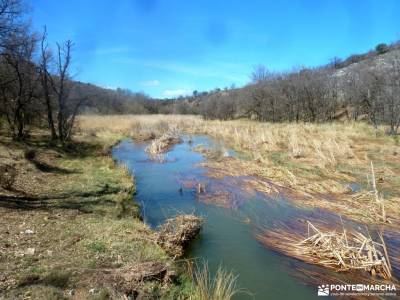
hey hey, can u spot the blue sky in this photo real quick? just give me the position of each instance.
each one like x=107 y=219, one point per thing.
x=170 y=47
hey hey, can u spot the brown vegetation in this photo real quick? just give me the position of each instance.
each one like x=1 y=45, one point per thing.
x=161 y=144
x=176 y=233
x=342 y=251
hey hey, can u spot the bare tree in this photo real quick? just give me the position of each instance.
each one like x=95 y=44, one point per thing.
x=391 y=95
x=11 y=22
x=46 y=80
x=19 y=82
x=260 y=73
x=68 y=106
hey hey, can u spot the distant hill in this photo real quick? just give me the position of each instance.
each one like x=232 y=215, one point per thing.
x=338 y=90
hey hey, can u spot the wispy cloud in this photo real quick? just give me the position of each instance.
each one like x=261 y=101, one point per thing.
x=176 y=93
x=112 y=50
x=150 y=83
x=228 y=71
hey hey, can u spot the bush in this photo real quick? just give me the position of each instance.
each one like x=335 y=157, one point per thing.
x=97 y=247
x=7 y=176
x=30 y=154
x=381 y=48
x=57 y=278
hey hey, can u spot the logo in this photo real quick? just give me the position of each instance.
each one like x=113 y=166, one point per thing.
x=357 y=289
x=323 y=290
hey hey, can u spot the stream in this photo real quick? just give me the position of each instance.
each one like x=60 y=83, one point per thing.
x=227 y=238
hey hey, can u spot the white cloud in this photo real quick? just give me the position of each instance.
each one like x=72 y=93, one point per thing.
x=108 y=87
x=150 y=83
x=176 y=93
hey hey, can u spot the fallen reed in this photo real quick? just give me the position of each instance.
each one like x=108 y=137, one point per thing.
x=346 y=250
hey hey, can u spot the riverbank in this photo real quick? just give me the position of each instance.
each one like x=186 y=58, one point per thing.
x=70 y=228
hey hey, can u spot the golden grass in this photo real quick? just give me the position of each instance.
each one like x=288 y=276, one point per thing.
x=347 y=250
x=160 y=145
x=315 y=160
x=221 y=286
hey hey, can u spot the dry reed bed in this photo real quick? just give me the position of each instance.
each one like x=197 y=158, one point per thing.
x=345 y=250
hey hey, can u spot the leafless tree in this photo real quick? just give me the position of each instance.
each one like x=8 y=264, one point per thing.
x=46 y=81
x=260 y=73
x=67 y=106
x=391 y=95
x=19 y=82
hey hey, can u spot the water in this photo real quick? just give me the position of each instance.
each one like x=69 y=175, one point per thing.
x=228 y=236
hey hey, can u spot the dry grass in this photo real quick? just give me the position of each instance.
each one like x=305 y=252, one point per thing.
x=175 y=235
x=221 y=286
x=141 y=127
x=341 y=251
x=318 y=161
x=160 y=145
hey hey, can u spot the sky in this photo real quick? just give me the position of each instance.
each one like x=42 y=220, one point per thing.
x=167 y=48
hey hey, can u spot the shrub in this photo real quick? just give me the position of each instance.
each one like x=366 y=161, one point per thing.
x=57 y=278
x=7 y=176
x=381 y=48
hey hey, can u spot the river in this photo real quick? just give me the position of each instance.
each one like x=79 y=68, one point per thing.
x=228 y=237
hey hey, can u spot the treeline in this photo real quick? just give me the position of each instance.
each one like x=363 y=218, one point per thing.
x=36 y=87
x=366 y=90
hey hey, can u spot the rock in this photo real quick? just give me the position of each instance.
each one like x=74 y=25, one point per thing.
x=30 y=251
x=29 y=231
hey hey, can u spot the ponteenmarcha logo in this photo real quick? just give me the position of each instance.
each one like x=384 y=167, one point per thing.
x=323 y=290
x=358 y=289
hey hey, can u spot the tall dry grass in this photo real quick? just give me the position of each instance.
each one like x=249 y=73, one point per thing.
x=221 y=286
x=323 y=144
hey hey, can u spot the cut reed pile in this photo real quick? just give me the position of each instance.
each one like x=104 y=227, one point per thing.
x=162 y=144
x=341 y=251
x=176 y=233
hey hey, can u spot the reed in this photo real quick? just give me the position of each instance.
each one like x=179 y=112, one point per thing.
x=160 y=145
x=221 y=286
x=347 y=250
x=176 y=233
